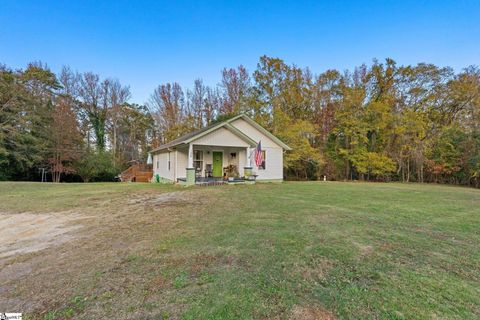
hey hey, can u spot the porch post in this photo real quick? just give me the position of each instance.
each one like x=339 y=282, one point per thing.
x=190 y=168
x=247 y=170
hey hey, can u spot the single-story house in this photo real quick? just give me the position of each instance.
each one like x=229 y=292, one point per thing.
x=222 y=150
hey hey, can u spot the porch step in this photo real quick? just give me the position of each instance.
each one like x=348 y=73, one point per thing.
x=210 y=183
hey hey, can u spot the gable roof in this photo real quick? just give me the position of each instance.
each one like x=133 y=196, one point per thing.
x=192 y=136
x=263 y=130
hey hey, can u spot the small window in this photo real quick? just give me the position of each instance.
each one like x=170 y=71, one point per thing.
x=168 y=162
x=168 y=165
x=158 y=164
x=263 y=166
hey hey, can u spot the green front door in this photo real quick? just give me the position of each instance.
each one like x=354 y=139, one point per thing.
x=217 y=164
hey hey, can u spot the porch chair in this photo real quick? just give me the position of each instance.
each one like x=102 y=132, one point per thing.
x=208 y=170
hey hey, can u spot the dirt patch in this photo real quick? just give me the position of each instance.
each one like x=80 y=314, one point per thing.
x=364 y=250
x=15 y=271
x=29 y=232
x=310 y=313
x=104 y=254
x=157 y=284
x=165 y=199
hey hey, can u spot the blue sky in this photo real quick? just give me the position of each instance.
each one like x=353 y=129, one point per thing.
x=146 y=43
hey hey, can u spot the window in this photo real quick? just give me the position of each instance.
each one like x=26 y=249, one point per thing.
x=263 y=166
x=158 y=164
x=168 y=162
x=198 y=160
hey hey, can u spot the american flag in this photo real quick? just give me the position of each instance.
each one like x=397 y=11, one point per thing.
x=258 y=154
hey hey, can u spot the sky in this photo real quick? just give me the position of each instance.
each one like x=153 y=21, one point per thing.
x=147 y=43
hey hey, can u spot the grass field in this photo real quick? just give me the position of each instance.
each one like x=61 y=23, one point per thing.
x=268 y=251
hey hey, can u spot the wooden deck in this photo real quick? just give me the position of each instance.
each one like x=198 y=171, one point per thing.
x=137 y=173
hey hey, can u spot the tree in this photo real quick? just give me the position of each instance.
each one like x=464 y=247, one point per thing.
x=196 y=103
x=16 y=138
x=212 y=106
x=117 y=97
x=373 y=164
x=65 y=138
x=167 y=105
x=135 y=133
x=285 y=107
x=303 y=157
x=380 y=121
x=235 y=86
x=96 y=166
x=25 y=112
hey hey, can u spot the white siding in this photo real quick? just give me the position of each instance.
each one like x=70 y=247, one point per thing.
x=273 y=165
x=253 y=133
x=221 y=137
x=160 y=165
x=273 y=152
x=182 y=162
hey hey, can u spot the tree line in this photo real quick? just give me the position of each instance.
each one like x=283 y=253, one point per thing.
x=377 y=122
x=76 y=126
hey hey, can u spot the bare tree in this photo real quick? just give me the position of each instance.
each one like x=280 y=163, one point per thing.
x=204 y=104
x=99 y=102
x=167 y=105
x=117 y=95
x=235 y=84
x=92 y=105
x=213 y=102
x=197 y=103
x=69 y=81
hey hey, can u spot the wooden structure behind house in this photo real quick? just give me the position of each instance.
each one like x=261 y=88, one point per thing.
x=138 y=172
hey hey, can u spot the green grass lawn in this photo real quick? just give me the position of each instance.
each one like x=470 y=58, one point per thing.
x=303 y=250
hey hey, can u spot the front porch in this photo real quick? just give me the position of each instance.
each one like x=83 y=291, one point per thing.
x=213 y=165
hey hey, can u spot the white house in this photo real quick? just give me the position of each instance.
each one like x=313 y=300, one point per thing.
x=219 y=151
